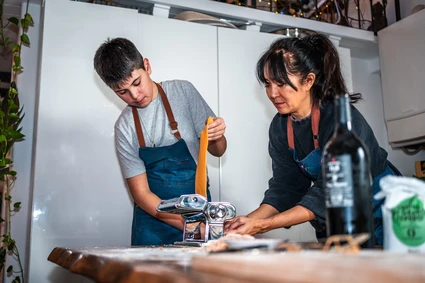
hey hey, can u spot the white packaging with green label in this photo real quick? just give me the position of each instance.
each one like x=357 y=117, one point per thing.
x=403 y=213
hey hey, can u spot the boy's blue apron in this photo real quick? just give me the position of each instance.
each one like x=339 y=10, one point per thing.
x=311 y=167
x=170 y=173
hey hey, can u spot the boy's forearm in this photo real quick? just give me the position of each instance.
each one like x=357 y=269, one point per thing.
x=217 y=147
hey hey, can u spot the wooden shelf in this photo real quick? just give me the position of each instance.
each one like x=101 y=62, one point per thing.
x=362 y=43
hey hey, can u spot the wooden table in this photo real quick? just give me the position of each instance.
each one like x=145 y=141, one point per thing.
x=173 y=264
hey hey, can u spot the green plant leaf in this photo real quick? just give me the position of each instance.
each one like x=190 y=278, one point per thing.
x=16 y=48
x=24 y=24
x=25 y=39
x=3 y=146
x=13 y=90
x=14 y=115
x=10 y=268
x=13 y=106
x=17 y=204
x=17 y=60
x=13 y=20
x=8 y=198
x=16 y=68
x=15 y=124
x=16 y=135
x=11 y=246
x=29 y=18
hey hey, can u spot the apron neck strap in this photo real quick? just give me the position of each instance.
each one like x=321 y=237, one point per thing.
x=138 y=126
x=315 y=119
x=173 y=123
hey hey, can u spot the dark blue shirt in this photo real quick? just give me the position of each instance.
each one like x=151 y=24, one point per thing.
x=289 y=186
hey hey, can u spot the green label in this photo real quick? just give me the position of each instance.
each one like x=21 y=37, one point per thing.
x=409 y=222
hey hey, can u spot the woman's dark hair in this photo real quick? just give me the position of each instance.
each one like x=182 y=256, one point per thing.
x=115 y=60
x=312 y=54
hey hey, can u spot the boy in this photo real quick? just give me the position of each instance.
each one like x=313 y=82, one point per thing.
x=157 y=158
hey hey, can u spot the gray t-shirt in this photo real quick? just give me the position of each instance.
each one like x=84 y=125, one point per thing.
x=190 y=111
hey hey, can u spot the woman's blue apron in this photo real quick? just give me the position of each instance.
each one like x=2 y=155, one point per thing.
x=311 y=167
x=170 y=173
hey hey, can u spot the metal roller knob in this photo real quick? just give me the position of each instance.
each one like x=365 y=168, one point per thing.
x=217 y=211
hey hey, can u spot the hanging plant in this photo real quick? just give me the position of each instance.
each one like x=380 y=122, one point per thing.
x=11 y=115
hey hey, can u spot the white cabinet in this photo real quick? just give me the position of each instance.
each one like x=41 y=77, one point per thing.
x=402 y=58
x=187 y=51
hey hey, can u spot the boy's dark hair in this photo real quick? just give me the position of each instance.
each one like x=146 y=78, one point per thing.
x=116 y=59
x=313 y=54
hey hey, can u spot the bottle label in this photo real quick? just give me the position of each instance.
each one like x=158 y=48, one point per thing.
x=409 y=222
x=339 y=181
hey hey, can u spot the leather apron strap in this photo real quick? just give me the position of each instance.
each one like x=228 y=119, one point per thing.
x=315 y=119
x=173 y=123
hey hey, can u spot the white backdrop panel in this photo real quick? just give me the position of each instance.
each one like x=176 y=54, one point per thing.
x=187 y=51
x=79 y=195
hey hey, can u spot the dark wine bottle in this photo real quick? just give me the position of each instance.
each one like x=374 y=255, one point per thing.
x=347 y=178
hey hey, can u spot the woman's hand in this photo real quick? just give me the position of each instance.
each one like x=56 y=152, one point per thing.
x=245 y=226
x=216 y=129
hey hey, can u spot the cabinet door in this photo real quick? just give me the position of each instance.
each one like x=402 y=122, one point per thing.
x=401 y=52
x=246 y=166
x=187 y=51
x=79 y=196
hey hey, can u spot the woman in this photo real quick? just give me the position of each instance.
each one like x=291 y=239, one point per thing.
x=302 y=77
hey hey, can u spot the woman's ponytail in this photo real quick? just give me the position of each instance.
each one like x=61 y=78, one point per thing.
x=331 y=79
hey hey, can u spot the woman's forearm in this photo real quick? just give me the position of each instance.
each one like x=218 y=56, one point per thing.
x=264 y=211
x=296 y=215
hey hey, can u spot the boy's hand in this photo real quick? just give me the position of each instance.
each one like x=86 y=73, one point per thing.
x=216 y=129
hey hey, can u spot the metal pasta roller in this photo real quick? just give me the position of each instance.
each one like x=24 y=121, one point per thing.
x=195 y=209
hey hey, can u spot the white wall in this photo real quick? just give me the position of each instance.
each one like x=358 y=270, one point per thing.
x=78 y=197
x=406 y=7
x=368 y=83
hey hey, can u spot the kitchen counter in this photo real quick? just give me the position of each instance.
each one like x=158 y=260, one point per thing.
x=175 y=264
